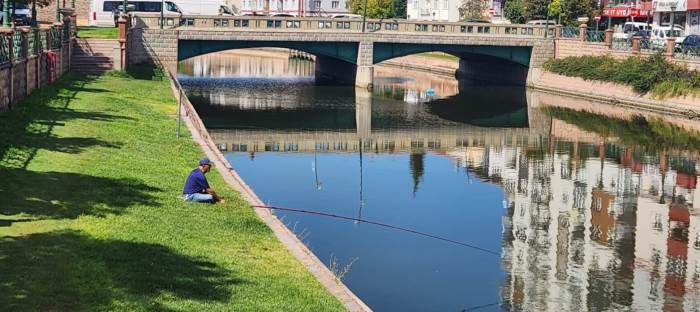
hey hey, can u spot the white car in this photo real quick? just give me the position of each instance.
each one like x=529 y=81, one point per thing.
x=629 y=28
x=659 y=36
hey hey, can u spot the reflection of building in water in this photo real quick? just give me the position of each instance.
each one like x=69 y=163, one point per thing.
x=247 y=63
x=598 y=226
x=413 y=86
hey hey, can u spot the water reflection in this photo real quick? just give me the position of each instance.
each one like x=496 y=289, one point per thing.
x=589 y=212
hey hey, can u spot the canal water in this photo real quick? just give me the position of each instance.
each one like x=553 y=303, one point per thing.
x=576 y=211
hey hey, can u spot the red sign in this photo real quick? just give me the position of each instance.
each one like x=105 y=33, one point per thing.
x=597 y=18
x=616 y=12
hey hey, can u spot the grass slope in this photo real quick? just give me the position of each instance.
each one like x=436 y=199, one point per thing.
x=90 y=218
x=653 y=74
x=98 y=32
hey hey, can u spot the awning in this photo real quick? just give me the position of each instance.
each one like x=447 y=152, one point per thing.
x=626 y=12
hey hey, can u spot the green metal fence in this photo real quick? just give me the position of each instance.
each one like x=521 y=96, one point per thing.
x=17 y=45
x=56 y=40
x=570 y=32
x=31 y=43
x=4 y=48
x=595 y=36
x=42 y=40
x=622 y=44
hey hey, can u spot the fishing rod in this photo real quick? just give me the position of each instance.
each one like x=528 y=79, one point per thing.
x=326 y=214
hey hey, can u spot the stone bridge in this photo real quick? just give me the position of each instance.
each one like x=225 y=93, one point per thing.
x=345 y=50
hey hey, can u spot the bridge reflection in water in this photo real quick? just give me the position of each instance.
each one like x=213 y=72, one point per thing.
x=593 y=219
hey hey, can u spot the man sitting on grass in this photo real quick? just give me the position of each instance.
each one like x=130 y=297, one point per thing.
x=196 y=186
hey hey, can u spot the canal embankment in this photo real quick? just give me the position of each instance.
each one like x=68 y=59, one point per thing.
x=90 y=172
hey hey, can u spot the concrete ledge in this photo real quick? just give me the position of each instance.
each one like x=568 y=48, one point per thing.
x=302 y=253
x=616 y=94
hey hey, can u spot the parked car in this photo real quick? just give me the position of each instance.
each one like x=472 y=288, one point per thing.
x=644 y=34
x=21 y=15
x=691 y=45
x=628 y=30
x=659 y=35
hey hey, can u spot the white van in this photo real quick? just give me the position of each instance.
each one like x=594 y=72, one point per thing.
x=660 y=34
x=103 y=11
x=629 y=28
x=203 y=7
x=542 y=22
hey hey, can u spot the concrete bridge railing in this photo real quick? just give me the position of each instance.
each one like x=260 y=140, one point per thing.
x=344 y=53
x=338 y=25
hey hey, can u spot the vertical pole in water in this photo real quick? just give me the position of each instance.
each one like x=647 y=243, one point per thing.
x=179 y=115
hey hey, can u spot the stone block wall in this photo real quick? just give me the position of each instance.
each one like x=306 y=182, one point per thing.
x=5 y=85
x=568 y=47
x=32 y=74
x=153 y=46
x=19 y=80
x=47 y=14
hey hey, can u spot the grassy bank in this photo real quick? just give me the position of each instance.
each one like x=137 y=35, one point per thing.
x=440 y=56
x=90 y=218
x=648 y=133
x=653 y=74
x=98 y=32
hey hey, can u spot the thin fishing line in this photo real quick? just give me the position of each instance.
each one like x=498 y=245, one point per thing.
x=321 y=213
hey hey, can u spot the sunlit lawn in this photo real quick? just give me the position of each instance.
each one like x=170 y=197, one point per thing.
x=90 y=219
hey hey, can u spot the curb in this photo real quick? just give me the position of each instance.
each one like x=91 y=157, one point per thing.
x=300 y=251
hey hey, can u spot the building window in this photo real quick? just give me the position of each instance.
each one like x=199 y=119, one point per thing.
x=317 y=4
x=335 y=4
x=444 y=4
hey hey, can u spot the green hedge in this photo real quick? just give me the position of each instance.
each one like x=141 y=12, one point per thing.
x=653 y=74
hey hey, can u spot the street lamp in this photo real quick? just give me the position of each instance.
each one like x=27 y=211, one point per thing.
x=33 y=21
x=673 y=13
x=162 y=17
x=58 y=11
x=546 y=26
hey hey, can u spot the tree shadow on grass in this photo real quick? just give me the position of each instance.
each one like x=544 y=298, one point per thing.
x=70 y=271
x=57 y=195
x=146 y=72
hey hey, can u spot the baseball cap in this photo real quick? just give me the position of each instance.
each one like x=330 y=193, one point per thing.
x=205 y=161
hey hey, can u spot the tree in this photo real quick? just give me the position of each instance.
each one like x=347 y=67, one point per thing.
x=399 y=8
x=514 y=11
x=571 y=10
x=554 y=9
x=417 y=163
x=472 y=9
x=536 y=9
x=375 y=8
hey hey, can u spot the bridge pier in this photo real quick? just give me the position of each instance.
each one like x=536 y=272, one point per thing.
x=365 y=65
x=492 y=70
x=363 y=112
x=332 y=71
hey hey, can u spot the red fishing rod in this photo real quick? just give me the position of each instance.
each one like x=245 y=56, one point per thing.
x=326 y=214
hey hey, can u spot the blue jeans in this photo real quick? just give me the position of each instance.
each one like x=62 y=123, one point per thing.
x=199 y=198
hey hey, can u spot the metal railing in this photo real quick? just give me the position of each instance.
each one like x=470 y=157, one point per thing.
x=687 y=53
x=646 y=45
x=56 y=40
x=31 y=43
x=43 y=37
x=570 y=32
x=325 y=24
x=595 y=36
x=4 y=48
x=622 y=44
x=17 y=45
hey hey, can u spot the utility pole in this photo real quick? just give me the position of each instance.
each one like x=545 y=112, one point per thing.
x=364 y=17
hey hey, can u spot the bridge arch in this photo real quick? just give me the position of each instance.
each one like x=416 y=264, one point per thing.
x=342 y=51
x=517 y=54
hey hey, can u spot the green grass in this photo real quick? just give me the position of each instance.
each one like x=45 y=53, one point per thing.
x=650 y=134
x=653 y=74
x=440 y=56
x=98 y=32
x=90 y=219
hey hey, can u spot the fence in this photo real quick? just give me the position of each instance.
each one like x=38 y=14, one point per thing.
x=595 y=36
x=570 y=32
x=24 y=61
x=687 y=53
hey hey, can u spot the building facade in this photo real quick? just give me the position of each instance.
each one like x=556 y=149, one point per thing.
x=448 y=10
x=47 y=14
x=294 y=7
x=686 y=13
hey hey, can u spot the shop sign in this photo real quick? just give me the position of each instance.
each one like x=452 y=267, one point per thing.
x=665 y=5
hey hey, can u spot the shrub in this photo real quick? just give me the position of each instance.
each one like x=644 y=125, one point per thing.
x=653 y=74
